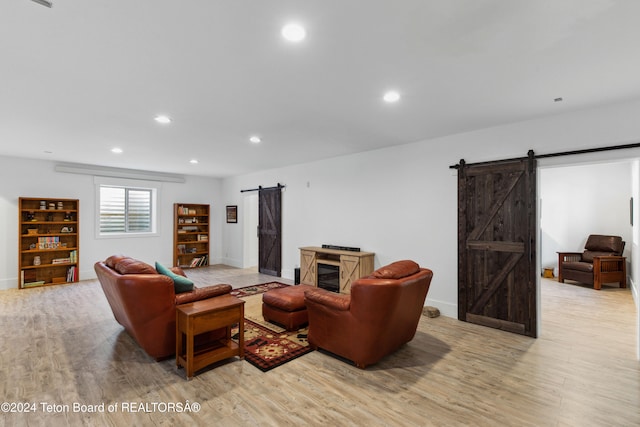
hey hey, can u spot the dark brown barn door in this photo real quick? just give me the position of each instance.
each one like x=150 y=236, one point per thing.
x=496 y=245
x=269 y=231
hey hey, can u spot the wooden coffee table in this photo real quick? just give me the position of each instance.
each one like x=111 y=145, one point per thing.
x=204 y=316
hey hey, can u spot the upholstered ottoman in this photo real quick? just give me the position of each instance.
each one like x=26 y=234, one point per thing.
x=285 y=306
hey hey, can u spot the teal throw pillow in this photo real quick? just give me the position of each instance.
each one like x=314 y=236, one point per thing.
x=180 y=283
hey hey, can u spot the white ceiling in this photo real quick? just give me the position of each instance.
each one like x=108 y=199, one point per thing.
x=89 y=75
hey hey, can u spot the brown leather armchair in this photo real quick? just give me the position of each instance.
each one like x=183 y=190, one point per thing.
x=144 y=302
x=601 y=262
x=379 y=316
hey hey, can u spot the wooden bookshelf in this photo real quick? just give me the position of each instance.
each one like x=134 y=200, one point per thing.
x=190 y=235
x=48 y=241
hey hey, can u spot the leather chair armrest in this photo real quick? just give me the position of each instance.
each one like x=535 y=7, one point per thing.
x=202 y=293
x=328 y=299
x=610 y=258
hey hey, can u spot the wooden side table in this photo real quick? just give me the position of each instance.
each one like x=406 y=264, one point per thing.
x=205 y=316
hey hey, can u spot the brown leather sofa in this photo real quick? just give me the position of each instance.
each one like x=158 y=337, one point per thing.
x=601 y=262
x=379 y=316
x=144 y=302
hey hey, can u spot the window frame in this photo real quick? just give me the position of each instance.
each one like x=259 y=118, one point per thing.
x=128 y=184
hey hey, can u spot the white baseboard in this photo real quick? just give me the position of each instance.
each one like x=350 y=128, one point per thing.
x=231 y=262
x=6 y=284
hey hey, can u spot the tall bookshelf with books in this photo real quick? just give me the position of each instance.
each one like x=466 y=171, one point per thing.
x=48 y=241
x=190 y=235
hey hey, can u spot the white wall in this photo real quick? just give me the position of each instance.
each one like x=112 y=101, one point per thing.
x=33 y=178
x=401 y=202
x=579 y=200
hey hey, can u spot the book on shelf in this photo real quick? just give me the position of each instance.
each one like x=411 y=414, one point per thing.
x=200 y=261
x=36 y=283
x=27 y=276
x=72 y=274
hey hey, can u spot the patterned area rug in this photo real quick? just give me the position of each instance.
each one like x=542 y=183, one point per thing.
x=267 y=345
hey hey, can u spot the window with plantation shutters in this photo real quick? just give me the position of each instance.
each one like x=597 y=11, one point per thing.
x=126 y=210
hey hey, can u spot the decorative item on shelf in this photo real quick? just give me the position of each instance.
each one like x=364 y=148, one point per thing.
x=65 y=230
x=52 y=205
x=32 y=246
x=31 y=216
x=32 y=231
x=60 y=206
x=37 y=260
x=43 y=205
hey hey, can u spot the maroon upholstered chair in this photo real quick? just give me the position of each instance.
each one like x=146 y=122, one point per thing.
x=601 y=262
x=378 y=317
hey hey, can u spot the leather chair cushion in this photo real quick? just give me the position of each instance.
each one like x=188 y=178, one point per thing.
x=587 y=256
x=289 y=299
x=113 y=260
x=133 y=266
x=600 y=243
x=579 y=266
x=397 y=270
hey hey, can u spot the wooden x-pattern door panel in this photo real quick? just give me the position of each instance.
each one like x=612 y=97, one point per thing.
x=496 y=247
x=308 y=268
x=269 y=232
x=349 y=272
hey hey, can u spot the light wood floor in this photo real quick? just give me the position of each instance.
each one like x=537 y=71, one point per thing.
x=61 y=345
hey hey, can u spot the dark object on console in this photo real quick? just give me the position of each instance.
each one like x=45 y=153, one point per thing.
x=601 y=262
x=341 y=248
x=144 y=302
x=379 y=316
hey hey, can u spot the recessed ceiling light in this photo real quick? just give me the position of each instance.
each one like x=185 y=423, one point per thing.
x=193 y=161
x=163 y=119
x=255 y=139
x=294 y=32
x=391 y=96
x=116 y=150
